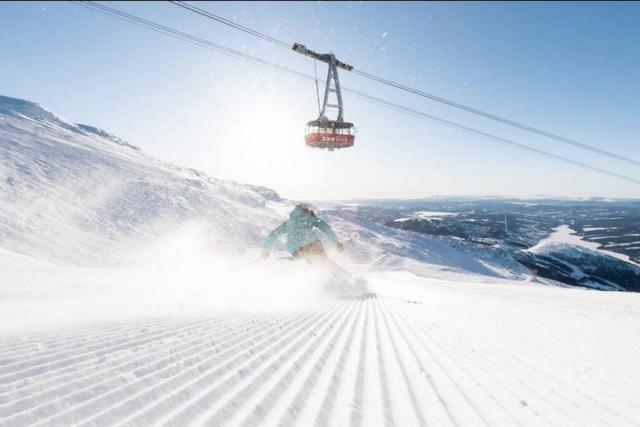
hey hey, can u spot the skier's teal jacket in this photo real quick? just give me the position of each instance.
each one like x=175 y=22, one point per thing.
x=299 y=229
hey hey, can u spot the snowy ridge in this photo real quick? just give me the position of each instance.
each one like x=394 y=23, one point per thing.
x=28 y=110
x=35 y=113
x=105 y=135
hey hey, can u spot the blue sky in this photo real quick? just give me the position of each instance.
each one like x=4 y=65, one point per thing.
x=569 y=68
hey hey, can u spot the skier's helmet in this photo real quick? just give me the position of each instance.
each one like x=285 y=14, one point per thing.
x=306 y=209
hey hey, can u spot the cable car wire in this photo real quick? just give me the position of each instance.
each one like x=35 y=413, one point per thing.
x=361 y=95
x=124 y=16
x=473 y=110
x=500 y=119
x=485 y=135
x=315 y=75
x=231 y=24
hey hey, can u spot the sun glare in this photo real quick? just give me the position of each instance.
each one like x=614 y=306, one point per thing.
x=263 y=135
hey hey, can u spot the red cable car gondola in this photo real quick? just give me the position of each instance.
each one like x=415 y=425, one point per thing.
x=324 y=132
x=329 y=134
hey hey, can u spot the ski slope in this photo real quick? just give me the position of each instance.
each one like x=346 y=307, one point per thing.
x=424 y=352
x=130 y=295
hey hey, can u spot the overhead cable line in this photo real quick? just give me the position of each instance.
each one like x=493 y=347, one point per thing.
x=485 y=135
x=124 y=16
x=361 y=95
x=473 y=110
x=500 y=119
x=231 y=24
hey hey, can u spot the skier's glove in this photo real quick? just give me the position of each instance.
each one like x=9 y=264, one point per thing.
x=339 y=247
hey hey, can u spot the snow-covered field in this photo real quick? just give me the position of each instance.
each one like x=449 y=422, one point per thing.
x=566 y=235
x=426 y=215
x=130 y=295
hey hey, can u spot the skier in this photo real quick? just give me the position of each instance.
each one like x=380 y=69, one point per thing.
x=302 y=242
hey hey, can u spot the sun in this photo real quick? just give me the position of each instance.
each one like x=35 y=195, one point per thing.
x=260 y=133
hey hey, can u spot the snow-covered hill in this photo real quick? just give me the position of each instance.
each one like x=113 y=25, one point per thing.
x=128 y=296
x=77 y=193
x=580 y=266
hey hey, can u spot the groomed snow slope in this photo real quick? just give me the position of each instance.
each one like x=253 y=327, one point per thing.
x=424 y=352
x=159 y=318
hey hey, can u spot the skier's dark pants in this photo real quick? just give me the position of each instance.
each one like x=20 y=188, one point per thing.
x=313 y=252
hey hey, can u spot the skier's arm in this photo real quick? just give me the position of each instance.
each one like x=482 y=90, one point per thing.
x=273 y=236
x=326 y=229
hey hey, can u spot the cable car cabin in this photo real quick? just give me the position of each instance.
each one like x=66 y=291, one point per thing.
x=325 y=132
x=329 y=134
